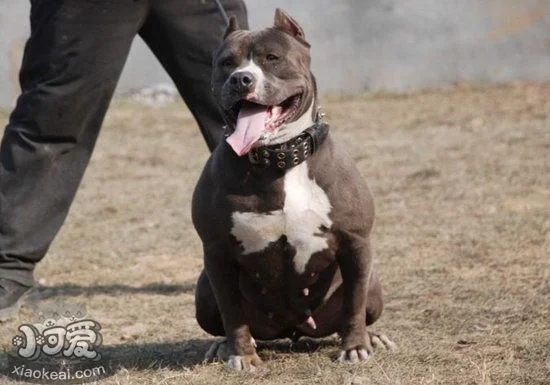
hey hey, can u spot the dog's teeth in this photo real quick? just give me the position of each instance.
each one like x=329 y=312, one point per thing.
x=305 y=291
x=311 y=322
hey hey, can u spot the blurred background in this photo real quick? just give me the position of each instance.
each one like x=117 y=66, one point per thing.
x=361 y=45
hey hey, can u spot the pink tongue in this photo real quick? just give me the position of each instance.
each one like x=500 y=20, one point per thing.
x=250 y=127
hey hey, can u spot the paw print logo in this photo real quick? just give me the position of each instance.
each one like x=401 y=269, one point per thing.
x=49 y=323
x=40 y=340
x=70 y=316
x=17 y=341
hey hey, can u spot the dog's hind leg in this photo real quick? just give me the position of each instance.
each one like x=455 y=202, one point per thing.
x=206 y=309
x=374 y=299
x=374 y=310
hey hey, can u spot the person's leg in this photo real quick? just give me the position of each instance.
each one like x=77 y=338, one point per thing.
x=71 y=65
x=183 y=35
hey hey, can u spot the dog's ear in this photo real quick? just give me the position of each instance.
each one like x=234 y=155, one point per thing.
x=231 y=27
x=287 y=24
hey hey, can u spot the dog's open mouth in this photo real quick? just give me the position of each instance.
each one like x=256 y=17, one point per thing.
x=256 y=121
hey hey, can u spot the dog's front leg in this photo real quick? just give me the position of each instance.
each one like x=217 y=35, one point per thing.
x=239 y=351
x=355 y=261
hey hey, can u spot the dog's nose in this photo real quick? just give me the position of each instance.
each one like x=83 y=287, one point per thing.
x=243 y=79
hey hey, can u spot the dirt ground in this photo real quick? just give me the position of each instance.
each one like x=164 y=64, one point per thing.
x=461 y=179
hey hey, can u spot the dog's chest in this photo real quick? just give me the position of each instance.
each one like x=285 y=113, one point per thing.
x=303 y=219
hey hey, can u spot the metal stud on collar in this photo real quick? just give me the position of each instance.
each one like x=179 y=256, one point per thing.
x=320 y=114
x=289 y=154
x=253 y=157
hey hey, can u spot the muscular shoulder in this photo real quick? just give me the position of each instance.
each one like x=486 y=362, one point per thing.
x=348 y=192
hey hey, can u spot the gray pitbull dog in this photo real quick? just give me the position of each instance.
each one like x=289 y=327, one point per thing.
x=283 y=213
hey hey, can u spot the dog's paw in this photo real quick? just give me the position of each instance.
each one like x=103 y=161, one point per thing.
x=354 y=355
x=364 y=352
x=381 y=341
x=246 y=362
x=218 y=352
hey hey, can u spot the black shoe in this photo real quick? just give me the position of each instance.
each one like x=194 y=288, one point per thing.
x=12 y=295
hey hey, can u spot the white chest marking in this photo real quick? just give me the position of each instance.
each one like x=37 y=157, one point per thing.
x=306 y=209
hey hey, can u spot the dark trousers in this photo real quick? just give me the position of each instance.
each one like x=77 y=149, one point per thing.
x=70 y=68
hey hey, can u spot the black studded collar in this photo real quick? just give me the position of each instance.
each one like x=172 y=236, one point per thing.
x=289 y=154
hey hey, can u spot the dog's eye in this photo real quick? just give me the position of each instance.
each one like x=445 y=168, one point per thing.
x=227 y=62
x=271 y=58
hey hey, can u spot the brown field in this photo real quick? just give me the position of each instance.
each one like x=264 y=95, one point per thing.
x=461 y=179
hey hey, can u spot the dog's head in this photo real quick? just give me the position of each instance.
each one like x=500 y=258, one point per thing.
x=263 y=82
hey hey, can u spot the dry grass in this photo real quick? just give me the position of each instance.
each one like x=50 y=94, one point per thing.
x=461 y=178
